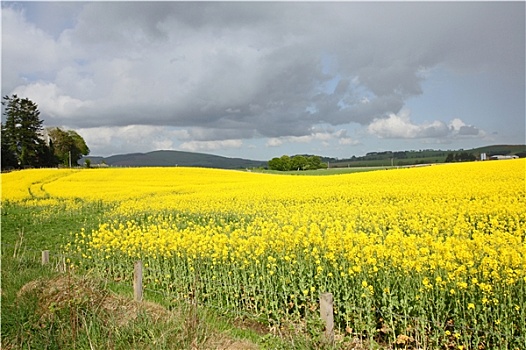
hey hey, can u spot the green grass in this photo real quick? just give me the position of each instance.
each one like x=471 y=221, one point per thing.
x=48 y=227
x=42 y=309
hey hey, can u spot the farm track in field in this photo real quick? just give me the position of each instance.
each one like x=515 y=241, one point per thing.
x=37 y=190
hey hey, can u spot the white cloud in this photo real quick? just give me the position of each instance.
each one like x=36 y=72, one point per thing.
x=317 y=135
x=163 y=144
x=400 y=126
x=348 y=141
x=274 y=142
x=52 y=102
x=128 y=139
x=460 y=129
x=456 y=124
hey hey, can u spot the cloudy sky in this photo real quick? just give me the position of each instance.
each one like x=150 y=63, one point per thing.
x=261 y=79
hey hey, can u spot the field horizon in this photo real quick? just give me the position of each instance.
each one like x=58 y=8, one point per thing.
x=170 y=158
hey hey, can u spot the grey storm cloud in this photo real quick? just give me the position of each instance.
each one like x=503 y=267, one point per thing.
x=242 y=69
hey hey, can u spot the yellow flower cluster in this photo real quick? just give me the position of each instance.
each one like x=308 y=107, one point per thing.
x=455 y=232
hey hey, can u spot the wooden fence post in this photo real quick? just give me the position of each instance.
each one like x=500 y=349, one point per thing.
x=327 y=316
x=45 y=257
x=137 y=280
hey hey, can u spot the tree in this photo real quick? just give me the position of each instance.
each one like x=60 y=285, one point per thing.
x=81 y=148
x=298 y=163
x=465 y=157
x=274 y=163
x=314 y=162
x=22 y=142
x=282 y=164
x=8 y=156
x=460 y=157
x=285 y=163
x=68 y=145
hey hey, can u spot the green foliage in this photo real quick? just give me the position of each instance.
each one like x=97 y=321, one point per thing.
x=460 y=157
x=9 y=159
x=22 y=143
x=298 y=162
x=68 y=145
x=280 y=164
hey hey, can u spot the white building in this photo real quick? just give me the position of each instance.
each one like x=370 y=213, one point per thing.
x=500 y=157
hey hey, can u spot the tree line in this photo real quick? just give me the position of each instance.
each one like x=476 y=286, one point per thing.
x=298 y=162
x=27 y=144
x=460 y=157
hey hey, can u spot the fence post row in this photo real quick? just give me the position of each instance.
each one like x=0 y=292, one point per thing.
x=326 y=299
x=137 y=281
x=327 y=316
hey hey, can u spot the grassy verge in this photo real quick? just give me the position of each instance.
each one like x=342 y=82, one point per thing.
x=46 y=310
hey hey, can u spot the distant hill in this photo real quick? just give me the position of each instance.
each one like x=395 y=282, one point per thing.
x=427 y=156
x=519 y=150
x=174 y=158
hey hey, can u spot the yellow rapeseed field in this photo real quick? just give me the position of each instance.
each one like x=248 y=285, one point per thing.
x=428 y=257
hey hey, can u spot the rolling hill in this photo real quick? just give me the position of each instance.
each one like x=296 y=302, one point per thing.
x=174 y=158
